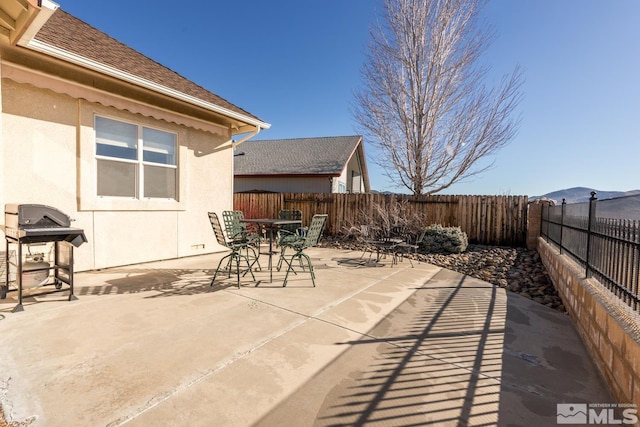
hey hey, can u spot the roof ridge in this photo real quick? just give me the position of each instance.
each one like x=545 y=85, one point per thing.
x=309 y=137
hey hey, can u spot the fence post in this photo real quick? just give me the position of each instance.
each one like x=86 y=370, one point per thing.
x=562 y=211
x=592 y=217
x=535 y=220
x=548 y=209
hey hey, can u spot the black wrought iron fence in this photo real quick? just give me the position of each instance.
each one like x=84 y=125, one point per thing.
x=602 y=236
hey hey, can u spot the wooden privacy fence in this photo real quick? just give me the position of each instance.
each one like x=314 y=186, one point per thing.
x=490 y=220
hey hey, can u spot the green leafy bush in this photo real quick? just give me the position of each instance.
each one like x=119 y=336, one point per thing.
x=439 y=239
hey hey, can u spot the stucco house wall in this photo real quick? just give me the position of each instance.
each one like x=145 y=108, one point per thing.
x=49 y=103
x=50 y=152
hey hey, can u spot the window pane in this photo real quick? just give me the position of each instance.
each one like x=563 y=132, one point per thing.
x=116 y=179
x=159 y=146
x=116 y=139
x=159 y=182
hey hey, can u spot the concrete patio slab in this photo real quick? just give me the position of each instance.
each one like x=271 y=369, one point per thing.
x=154 y=344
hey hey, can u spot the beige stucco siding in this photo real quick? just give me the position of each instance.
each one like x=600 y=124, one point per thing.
x=134 y=237
x=39 y=137
x=48 y=146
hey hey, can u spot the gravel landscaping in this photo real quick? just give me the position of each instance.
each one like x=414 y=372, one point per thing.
x=517 y=270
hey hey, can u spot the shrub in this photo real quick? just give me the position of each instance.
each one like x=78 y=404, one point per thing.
x=441 y=239
x=381 y=220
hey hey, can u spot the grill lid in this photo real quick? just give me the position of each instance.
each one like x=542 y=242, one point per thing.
x=32 y=223
x=36 y=216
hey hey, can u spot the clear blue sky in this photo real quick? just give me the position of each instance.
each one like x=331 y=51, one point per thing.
x=296 y=63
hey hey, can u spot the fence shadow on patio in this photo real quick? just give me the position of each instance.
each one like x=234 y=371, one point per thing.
x=434 y=360
x=459 y=351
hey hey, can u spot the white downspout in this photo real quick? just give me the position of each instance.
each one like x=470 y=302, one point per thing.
x=234 y=144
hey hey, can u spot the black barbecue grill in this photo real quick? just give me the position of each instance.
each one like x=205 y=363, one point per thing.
x=37 y=224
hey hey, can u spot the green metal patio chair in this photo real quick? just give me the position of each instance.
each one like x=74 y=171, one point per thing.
x=299 y=244
x=236 y=246
x=237 y=231
x=289 y=231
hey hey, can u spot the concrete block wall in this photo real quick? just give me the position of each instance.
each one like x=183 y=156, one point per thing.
x=608 y=327
x=534 y=221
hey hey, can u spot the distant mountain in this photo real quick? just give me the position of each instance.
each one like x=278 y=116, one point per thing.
x=611 y=204
x=582 y=194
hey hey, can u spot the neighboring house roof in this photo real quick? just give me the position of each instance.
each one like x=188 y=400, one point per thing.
x=63 y=36
x=326 y=156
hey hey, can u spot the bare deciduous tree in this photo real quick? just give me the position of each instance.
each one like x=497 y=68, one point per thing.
x=424 y=102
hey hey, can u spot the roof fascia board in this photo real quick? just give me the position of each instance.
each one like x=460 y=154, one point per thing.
x=289 y=175
x=354 y=151
x=22 y=74
x=23 y=23
x=363 y=165
x=43 y=11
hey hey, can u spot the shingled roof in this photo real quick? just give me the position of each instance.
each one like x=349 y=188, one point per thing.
x=64 y=31
x=302 y=156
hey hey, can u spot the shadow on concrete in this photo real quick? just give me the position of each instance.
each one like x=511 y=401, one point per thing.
x=165 y=282
x=161 y=283
x=436 y=359
x=458 y=355
x=357 y=262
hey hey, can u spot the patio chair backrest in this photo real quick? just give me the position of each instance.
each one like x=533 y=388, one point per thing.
x=290 y=214
x=217 y=229
x=315 y=230
x=234 y=228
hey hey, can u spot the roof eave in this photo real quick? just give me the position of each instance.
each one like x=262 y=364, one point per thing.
x=365 y=170
x=58 y=53
x=15 y=25
x=289 y=175
x=359 y=149
x=244 y=123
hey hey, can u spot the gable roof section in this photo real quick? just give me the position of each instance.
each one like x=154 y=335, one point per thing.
x=68 y=38
x=325 y=156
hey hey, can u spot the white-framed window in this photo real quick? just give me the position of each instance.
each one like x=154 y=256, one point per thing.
x=342 y=187
x=135 y=161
